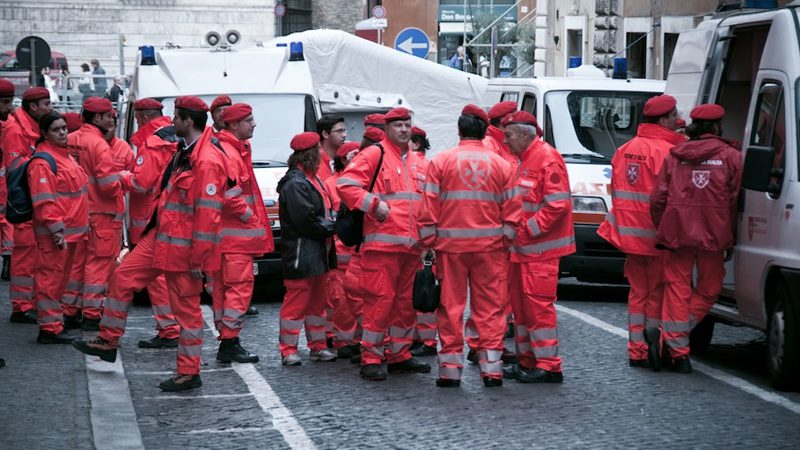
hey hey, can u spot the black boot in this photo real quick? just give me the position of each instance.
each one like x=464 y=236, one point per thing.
x=373 y=372
x=5 y=275
x=411 y=365
x=28 y=316
x=539 y=376
x=251 y=311
x=158 y=342
x=231 y=350
x=90 y=324
x=682 y=365
x=72 y=322
x=653 y=338
x=2 y=362
x=181 y=383
x=444 y=382
x=424 y=350
x=492 y=382
x=98 y=346
x=50 y=338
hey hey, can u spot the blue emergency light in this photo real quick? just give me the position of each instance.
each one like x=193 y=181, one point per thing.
x=296 y=51
x=620 y=68
x=148 y=55
x=575 y=61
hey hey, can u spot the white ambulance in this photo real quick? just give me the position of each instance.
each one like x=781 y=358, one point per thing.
x=586 y=118
x=749 y=62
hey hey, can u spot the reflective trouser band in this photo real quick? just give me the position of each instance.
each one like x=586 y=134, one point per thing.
x=372 y=338
x=287 y=324
x=548 y=351
x=675 y=327
x=542 y=334
x=113 y=304
x=635 y=319
x=390 y=239
x=289 y=339
x=191 y=333
x=315 y=321
x=455 y=359
x=541 y=247
x=636 y=336
x=450 y=373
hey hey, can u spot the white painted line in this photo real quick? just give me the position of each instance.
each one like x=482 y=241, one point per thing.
x=282 y=418
x=196 y=397
x=172 y=372
x=726 y=378
x=114 y=424
x=225 y=430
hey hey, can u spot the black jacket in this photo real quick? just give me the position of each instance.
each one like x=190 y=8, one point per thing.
x=306 y=248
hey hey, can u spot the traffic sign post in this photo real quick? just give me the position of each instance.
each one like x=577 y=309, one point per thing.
x=378 y=12
x=33 y=52
x=413 y=41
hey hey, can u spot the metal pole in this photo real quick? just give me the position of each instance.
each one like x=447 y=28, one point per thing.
x=464 y=41
x=122 y=55
x=33 y=63
x=490 y=25
x=493 y=54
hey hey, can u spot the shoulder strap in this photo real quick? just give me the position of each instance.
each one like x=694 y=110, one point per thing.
x=377 y=169
x=47 y=157
x=216 y=143
x=167 y=133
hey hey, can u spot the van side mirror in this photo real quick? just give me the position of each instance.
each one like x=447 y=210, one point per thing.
x=758 y=170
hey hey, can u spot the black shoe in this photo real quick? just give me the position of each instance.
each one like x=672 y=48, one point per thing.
x=416 y=345
x=158 y=342
x=373 y=372
x=251 y=311
x=492 y=382
x=444 y=382
x=181 y=383
x=510 y=371
x=231 y=350
x=356 y=359
x=424 y=350
x=2 y=362
x=682 y=365
x=5 y=275
x=653 y=338
x=411 y=365
x=509 y=357
x=28 y=316
x=472 y=356
x=90 y=324
x=72 y=322
x=50 y=338
x=639 y=363
x=539 y=376
x=97 y=347
x=348 y=351
x=510 y=331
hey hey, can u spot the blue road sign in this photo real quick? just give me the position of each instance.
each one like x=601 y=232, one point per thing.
x=413 y=41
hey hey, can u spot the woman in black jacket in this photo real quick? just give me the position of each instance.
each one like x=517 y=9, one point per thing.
x=307 y=250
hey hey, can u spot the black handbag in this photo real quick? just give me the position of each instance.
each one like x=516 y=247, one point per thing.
x=426 y=288
x=349 y=224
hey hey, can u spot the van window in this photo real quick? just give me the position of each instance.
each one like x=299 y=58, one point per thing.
x=529 y=104
x=509 y=97
x=769 y=125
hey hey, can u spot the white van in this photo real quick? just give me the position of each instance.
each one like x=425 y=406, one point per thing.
x=586 y=119
x=749 y=62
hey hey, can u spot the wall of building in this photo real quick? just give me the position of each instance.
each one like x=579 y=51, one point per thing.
x=338 y=14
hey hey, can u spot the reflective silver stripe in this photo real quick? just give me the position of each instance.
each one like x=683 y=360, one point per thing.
x=119 y=217
x=234 y=192
x=675 y=327
x=190 y=350
x=50 y=319
x=207 y=203
x=17 y=295
x=92 y=302
x=161 y=310
x=232 y=313
x=524 y=348
x=508 y=194
x=73 y=285
x=77 y=193
x=162 y=323
x=401 y=333
x=389 y=239
x=289 y=339
x=8 y=243
x=367 y=202
x=182 y=242
x=54 y=227
x=47 y=304
x=2 y=172
x=542 y=334
x=22 y=281
x=69 y=299
x=243 y=232
x=95 y=288
x=509 y=232
x=347 y=182
x=547 y=351
x=456 y=359
x=411 y=196
x=172 y=206
x=346 y=336
x=427 y=335
x=450 y=373
x=397 y=347
x=652 y=323
x=636 y=336
x=71 y=231
x=491 y=368
x=112 y=322
x=2 y=209
x=206 y=237
x=315 y=335
x=425 y=232
x=247 y=215
x=372 y=337
x=679 y=342
x=426 y=318
x=116 y=305
x=343 y=258
x=249 y=199
x=191 y=333
x=471 y=195
x=534 y=226
x=108 y=179
x=137 y=187
x=315 y=321
x=636 y=319
x=287 y=324
x=556 y=196
x=432 y=188
x=139 y=222
x=631 y=195
x=42 y=197
x=637 y=232
x=469 y=232
x=544 y=246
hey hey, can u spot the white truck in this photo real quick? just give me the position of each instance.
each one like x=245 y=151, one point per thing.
x=749 y=62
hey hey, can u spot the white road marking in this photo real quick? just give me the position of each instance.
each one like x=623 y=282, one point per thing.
x=225 y=430
x=726 y=378
x=195 y=397
x=113 y=418
x=282 y=418
x=172 y=372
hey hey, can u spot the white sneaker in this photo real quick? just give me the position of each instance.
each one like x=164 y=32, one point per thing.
x=324 y=355
x=292 y=360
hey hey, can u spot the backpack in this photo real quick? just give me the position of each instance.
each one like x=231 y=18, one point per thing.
x=19 y=206
x=349 y=224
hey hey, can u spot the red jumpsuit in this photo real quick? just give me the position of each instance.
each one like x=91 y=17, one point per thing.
x=19 y=140
x=6 y=229
x=245 y=235
x=629 y=227
x=694 y=207
x=546 y=233
x=60 y=203
x=470 y=213
x=390 y=251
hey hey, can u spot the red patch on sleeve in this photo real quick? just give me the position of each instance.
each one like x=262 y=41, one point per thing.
x=555 y=178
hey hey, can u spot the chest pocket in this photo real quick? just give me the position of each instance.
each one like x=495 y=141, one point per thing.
x=183 y=186
x=70 y=181
x=528 y=187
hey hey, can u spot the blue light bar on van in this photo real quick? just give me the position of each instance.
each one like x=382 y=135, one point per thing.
x=296 y=51
x=148 y=55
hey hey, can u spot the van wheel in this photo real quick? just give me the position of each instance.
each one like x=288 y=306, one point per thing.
x=700 y=337
x=783 y=340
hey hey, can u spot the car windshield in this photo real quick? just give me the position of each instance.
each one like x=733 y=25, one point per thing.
x=278 y=118
x=589 y=126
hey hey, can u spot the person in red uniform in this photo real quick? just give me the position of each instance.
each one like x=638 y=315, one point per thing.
x=177 y=242
x=694 y=207
x=245 y=234
x=156 y=142
x=6 y=229
x=217 y=108
x=546 y=234
x=332 y=133
x=307 y=251
x=372 y=136
x=470 y=213
x=390 y=251
x=375 y=120
x=61 y=224
x=19 y=140
x=494 y=135
x=74 y=121
x=629 y=227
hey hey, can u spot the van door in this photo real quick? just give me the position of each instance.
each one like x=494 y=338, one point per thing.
x=687 y=67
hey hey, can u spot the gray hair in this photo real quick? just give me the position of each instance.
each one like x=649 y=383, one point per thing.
x=530 y=130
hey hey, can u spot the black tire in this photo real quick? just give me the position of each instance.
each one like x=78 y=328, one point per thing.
x=700 y=337
x=783 y=340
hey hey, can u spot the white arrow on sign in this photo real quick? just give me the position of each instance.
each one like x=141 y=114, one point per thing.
x=408 y=45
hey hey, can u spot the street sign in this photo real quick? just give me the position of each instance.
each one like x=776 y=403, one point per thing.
x=280 y=10
x=413 y=41
x=33 y=49
x=378 y=12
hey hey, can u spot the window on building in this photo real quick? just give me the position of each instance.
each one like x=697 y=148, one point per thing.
x=636 y=43
x=670 y=41
x=297 y=18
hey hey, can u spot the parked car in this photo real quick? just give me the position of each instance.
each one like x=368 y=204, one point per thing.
x=9 y=68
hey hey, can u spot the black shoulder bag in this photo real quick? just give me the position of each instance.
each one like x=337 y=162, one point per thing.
x=349 y=224
x=426 y=291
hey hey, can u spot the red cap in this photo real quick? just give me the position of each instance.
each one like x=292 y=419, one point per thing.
x=501 y=109
x=374 y=119
x=475 y=111
x=6 y=88
x=709 y=111
x=304 y=141
x=222 y=100
x=659 y=105
x=236 y=113
x=374 y=134
x=35 y=93
x=680 y=123
x=397 y=114
x=97 y=105
x=191 y=103
x=74 y=121
x=147 y=103
x=522 y=118
x=346 y=148
x=417 y=131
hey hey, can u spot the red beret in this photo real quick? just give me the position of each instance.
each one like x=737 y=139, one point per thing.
x=680 y=123
x=709 y=111
x=346 y=148
x=147 y=103
x=97 y=105
x=6 y=88
x=74 y=121
x=35 y=93
x=191 y=103
x=520 y=118
x=659 y=105
x=501 y=109
x=397 y=114
x=222 y=100
x=475 y=111
x=374 y=119
x=304 y=141
x=236 y=113
x=374 y=134
x=417 y=131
